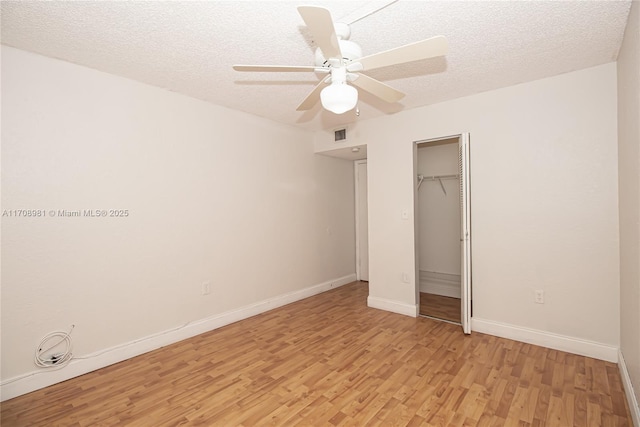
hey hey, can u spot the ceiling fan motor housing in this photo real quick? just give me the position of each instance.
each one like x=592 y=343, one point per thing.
x=350 y=51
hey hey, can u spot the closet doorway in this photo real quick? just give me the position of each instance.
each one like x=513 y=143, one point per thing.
x=443 y=229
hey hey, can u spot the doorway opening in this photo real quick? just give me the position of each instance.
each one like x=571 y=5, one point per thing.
x=442 y=227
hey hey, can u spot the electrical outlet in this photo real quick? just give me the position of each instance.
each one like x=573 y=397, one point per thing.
x=539 y=298
x=206 y=288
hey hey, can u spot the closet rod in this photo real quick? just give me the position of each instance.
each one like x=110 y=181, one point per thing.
x=434 y=177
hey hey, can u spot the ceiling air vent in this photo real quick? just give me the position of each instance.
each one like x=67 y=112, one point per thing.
x=340 y=135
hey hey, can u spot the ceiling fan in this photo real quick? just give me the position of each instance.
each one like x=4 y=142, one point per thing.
x=343 y=61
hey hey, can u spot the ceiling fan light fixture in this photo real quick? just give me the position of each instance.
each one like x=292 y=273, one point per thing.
x=339 y=98
x=343 y=60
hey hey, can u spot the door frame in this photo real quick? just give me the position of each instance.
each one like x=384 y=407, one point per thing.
x=356 y=165
x=464 y=151
x=465 y=214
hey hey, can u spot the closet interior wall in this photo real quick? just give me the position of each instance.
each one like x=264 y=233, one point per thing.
x=439 y=218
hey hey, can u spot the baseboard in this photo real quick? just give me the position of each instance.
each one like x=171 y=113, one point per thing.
x=393 y=306
x=439 y=289
x=38 y=379
x=547 y=339
x=634 y=408
x=444 y=284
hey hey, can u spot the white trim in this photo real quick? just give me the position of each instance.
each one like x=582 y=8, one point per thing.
x=444 y=284
x=465 y=230
x=357 y=163
x=547 y=339
x=440 y=289
x=393 y=306
x=35 y=380
x=634 y=408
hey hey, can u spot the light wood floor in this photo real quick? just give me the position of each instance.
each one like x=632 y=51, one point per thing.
x=446 y=308
x=330 y=360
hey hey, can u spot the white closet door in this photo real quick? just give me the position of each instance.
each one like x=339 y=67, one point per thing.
x=465 y=230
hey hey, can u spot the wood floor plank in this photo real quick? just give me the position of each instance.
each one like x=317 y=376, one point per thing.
x=331 y=360
x=440 y=307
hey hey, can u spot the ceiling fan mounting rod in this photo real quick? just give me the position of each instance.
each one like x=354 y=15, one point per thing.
x=343 y=31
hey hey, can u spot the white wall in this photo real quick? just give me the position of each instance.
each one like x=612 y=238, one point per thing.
x=629 y=183
x=544 y=205
x=213 y=195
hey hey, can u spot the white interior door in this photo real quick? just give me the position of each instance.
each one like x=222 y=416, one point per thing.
x=362 y=221
x=465 y=230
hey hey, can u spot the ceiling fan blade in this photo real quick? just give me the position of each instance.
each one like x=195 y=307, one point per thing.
x=320 y=23
x=274 y=68
x=377 y=88
x=435 y=46
x=313 y=97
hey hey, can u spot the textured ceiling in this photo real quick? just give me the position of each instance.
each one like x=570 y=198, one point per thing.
x=189 y=47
